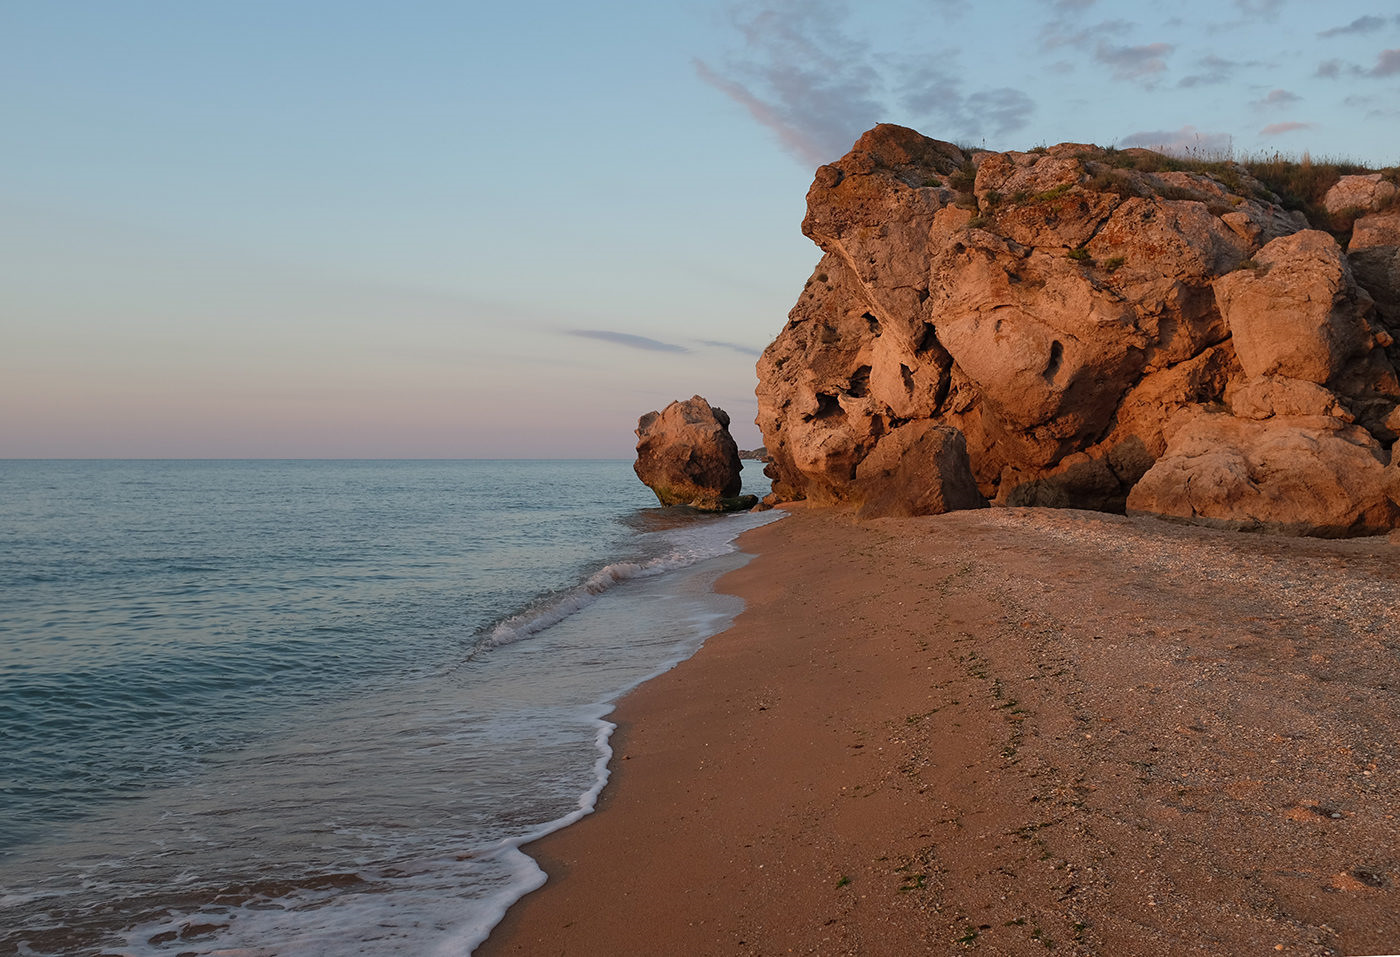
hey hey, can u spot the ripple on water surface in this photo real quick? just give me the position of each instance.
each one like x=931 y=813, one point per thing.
x=266 y=713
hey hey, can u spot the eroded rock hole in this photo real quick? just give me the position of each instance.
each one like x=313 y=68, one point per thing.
x=827 y=406
x=907 y=374
x=859 y=386
x=928 y=341
x=873 y=323
x=1057 y=354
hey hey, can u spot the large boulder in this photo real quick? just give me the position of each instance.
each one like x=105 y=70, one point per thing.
x=1364 y=192
x=1303 y=475
x=920 y=469
x=686 y=455
x=1374 y=252
x=1059 y=308
x=1297 y=311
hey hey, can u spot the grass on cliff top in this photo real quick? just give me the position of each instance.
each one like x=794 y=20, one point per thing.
x=1299 y=183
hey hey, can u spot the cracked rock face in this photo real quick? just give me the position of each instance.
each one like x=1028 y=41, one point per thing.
x=1067 y=312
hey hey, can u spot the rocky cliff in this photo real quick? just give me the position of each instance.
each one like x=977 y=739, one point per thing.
x=1105 y=329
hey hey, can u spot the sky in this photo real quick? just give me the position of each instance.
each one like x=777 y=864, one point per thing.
x=422 y=228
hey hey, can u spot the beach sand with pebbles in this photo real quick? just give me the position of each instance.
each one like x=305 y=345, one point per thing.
x=1005 y=731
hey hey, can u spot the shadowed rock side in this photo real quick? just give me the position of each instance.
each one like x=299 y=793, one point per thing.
x=1084 y=323
x=686 y=455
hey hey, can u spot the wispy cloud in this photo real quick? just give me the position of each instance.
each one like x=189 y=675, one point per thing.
x=1268 y=9
x=817 y=86
x=1366 y=24
x=1277 y=98
x=1068 y=31
x=801 y=76
x=1188 y=139
x=937 y=95
x=1278 y=129
x=1212 y=70
x=1005 y=109
x=732 y=346
x=628 y=339
x=802 y=143
x=1134 y=62
x=1387 y=64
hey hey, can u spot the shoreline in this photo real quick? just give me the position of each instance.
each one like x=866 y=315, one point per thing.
x=1009 y=731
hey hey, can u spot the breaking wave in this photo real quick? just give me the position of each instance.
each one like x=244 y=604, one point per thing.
x=688 y=545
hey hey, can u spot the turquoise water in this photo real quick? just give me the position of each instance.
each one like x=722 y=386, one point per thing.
x=313 y=707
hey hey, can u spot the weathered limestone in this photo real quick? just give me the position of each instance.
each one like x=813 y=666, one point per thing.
x=1300 y=475
x=686 y=455
x=1065 y=310
x=1364 y=191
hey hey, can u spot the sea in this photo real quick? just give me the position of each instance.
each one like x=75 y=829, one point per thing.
x=317 y=707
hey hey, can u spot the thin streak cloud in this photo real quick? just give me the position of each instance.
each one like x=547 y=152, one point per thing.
x=1278 y=98
x=1212 y=69
x=1387 y=64
x=731 y=346
x=1278 y=129
x=629 y=340
x=1367 y=24
x=1134 y=63
x=1268 y=9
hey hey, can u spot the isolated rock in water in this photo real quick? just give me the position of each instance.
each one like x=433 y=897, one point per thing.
x=686 y=455
x=1299 y=475
x=1060 y=309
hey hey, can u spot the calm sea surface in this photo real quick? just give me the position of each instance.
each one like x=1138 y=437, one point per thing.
x=314 y=707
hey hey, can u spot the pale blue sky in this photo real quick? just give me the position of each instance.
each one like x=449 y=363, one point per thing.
x=349 y=228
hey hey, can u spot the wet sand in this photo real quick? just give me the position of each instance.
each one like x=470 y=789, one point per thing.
x=1005 y=732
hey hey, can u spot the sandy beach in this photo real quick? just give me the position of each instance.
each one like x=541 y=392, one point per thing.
x=1005 y=732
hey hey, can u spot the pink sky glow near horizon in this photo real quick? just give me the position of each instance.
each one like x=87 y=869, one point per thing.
x=359 y=230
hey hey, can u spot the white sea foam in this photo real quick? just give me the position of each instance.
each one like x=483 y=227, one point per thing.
x=446 y=902
x=690 y=550
x=688 y=545
x=526 y=872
